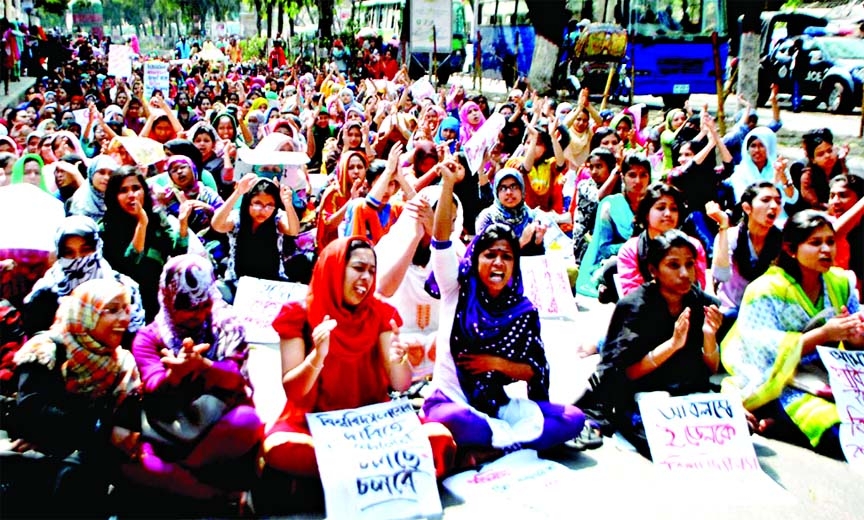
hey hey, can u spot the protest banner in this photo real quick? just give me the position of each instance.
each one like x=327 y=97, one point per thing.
x=82 y=117
x=697 y=431
x=258 y=302
x=155 y=78
x=375 y=463
x=701 y=443
x=120 y=61
x=846 y=375
x=482 y=141
x=520 y=484
x=546 y=284
x=428 y=18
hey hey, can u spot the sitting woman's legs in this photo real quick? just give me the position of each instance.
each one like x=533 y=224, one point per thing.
x=561 y=422
x=234 y=435
x=291 y=452
x=468 y=428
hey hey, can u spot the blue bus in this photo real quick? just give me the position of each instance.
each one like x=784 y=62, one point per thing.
x=671 y=49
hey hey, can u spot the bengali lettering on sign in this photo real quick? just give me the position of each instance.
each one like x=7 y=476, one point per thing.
x=846 y=374
x=375 y=462
x=258 y=302
x=698 y=431
x=155 y=78
x=520 y=483
x=545 y=283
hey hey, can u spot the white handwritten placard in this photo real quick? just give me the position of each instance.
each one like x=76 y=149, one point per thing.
x=846 y=374
x=546 y=284
x=482 y=140
x=258 y=302
x=427 y=15
x=698 y=432
x=518 y=485
x=375 y=463
x=155 y=78
x=120 y=61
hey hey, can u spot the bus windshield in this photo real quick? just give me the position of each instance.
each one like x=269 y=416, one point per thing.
x=677 y=18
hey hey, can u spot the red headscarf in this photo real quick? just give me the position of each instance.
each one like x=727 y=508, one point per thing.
x=353 y=373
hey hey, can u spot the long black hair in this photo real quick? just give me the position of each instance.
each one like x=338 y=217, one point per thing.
x=254 y=250
x=120 y=225
x=749 y=269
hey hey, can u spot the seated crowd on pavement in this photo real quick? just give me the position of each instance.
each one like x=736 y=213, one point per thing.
x=721 y=257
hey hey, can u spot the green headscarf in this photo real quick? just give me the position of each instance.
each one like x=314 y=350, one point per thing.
x=18 y=171
x=238 y=136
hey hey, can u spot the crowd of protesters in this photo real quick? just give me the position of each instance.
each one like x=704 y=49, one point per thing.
x=348 y=176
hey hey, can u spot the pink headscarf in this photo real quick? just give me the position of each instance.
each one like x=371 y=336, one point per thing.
x=466 y=129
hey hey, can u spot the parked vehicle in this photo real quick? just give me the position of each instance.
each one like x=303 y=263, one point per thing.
x=834 y=64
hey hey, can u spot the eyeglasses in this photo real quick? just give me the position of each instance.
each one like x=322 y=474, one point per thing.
x=116 y=311
x=257 y=206
x=509 y=187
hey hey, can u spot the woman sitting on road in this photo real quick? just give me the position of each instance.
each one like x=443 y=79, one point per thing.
x=658 y=212
x=799 y=303
x=744 y=252
x=194 y=355
x=661 y=338
x=340 y=350
x=489 y=337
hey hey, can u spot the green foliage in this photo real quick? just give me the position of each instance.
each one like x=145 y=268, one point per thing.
x=51 y=6
x=253 y=48
x=791 y=5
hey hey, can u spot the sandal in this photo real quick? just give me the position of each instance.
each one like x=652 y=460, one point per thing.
x=588 y=439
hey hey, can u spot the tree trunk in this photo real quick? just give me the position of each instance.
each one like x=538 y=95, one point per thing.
x=748 y=60
x=270 y=21
x=257 y=4
x=549 y=17
x=280 y=23
x=325 y=21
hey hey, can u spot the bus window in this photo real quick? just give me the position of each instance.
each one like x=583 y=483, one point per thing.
x=677 y=18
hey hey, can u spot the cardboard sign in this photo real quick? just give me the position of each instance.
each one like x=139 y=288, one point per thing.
x=547 y=286
x=156 y=78
x=520 y=484
x=120 y=61
x=698 y=432
x=375 y=462
x=428 y=18
x=846 y=374
x=258 y=302
x=483 y=140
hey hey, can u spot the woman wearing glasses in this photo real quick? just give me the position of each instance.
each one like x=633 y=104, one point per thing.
x=510 y=208
x=255 y=231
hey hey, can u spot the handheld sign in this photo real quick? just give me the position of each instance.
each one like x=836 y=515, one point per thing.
x=846 y=374
x=120 y=61
x=546 y=284
x=375 y=463
x=156 y=78
x=258 y=302
x=482 y=141
x=698 y=432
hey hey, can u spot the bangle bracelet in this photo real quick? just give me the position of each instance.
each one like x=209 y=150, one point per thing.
x=316 y=367
x=651 y=359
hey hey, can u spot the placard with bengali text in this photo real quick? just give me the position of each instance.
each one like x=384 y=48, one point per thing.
x=375 y=463
x=846 y=374
x=258 y=302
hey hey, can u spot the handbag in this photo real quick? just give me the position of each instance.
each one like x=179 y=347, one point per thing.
x=174 y=431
